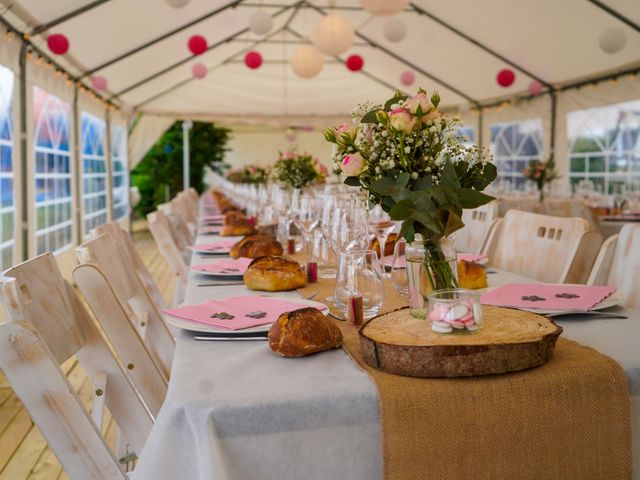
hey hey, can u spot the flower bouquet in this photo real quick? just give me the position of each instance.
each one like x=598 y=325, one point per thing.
x=541 y=173
x=297 y=170
x=248 y=174
x=410 y=159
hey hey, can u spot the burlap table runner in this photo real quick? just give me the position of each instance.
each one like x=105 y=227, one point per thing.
x=568 y=419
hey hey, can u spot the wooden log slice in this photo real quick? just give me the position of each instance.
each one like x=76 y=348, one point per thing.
x=509 y=340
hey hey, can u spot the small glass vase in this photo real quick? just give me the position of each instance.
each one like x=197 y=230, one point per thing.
x=430 y=267
x=456 y=312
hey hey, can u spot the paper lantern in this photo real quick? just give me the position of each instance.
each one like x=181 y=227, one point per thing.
x=307 y=61
x=333 y=35
x=178 y=3
x=260 y=22
x=355 y=63
x=384 y=8
x=98 y=82
x=395 y=30
x=407 y=78
x=253 y=59
x=197 y=44
x=612 y=40
x=58 y=43
x=535 y=88
x=198 y=70
x=505 y=77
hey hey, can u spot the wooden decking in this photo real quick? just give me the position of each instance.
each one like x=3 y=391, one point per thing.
x=23 y=450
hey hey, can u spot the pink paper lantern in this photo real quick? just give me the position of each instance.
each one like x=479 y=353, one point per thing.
x=197 y=44
x=198 y=70
x=58 y=43
x=98 y=82
x=253 y=60
x=355 y=63
x=535 y=88
x=505 y=77
x=407 y=78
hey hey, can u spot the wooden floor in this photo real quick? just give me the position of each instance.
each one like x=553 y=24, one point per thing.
x=23 y=450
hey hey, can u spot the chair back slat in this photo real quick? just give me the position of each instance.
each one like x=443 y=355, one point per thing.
x=477 y=223
x=161 y=230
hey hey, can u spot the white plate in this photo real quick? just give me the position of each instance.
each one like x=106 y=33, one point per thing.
x=203 y=327
x=233 y=275
x=611 y=301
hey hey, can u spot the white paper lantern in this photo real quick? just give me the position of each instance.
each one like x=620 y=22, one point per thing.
x=307 y=61
x=177 y=3
x=395 y=30
x=384 y=7
x=260 y=22
x=612 y=40
x=333 y=35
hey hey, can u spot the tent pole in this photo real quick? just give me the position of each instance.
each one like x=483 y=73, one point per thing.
x=186 y=126
x=67 y=16
x=24 y=186
x=552 y=133
x=481 y=128
x=77 y=172
x=615 y=14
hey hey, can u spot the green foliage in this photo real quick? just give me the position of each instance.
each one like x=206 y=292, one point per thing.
x=162 y=165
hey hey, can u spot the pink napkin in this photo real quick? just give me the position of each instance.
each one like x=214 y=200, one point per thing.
x=401 y=263
x=263 y=310
x=229 y=267
x=547 y=297
x=219 y=246
x=470 y=257
x=209 y=230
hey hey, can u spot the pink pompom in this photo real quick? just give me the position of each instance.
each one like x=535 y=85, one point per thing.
x=198 y=70
x=407 y=78
x=58 y=43
x=197 y=44
x=535 y=88
x=506 y=77
x=355 y=63
x=253 y=60
x=98 y=82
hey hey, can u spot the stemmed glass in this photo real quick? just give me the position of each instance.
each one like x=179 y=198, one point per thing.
x=349 y=229
x=306 y=215
x=382 y=226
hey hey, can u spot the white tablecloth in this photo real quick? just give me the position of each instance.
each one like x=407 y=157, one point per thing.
x=237 y=411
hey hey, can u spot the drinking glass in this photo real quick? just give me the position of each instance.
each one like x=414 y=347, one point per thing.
x=349 y=229
x=359 y=275
x=398 y=274
x=306 y=216
x=330 y=206
x=381 y=225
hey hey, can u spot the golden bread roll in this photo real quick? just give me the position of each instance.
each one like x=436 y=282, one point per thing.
x=256 y=245
x=274 y=274
x=303 y=332
x=235 y=218
x=388 y=246
x=471 y=275
x=234 y=230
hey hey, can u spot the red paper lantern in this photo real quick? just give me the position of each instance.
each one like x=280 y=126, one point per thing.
x=506 y=77
x=58 y=43
x=407 y=78
x=198 y=70
x=355 y=63
x=535 y=88
x=197 y=44
x=253 y=60
x=98 y=82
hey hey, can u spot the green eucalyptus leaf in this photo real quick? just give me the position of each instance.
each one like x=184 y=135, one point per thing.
x=424 y=218
x=370 y=117
x=352 y=181
x=407 y=231
x=384 y=186
x=449 y=176
x=449 y=220
x=397 y=98
x=402 y=210
x=470 y=198
x=424 y=183
x=387 y=204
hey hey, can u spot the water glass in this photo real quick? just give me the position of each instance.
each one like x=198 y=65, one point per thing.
x=399 y=276
x=456 y=311
x=359 y=275
x=349 y=229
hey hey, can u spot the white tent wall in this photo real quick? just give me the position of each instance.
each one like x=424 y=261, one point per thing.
x=144 y=135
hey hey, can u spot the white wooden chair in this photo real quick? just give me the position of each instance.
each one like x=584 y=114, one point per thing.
x=161 y=230
x=182 y=234
x=478 y=222
x=127 y=247
x=618 y=264
x=548 y=249
x=133 y=297
x=46 y=324
x=187 y=208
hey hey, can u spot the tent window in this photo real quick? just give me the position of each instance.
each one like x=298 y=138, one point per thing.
x=94 y=172
x=7 y=209
x=467 y=134
x=513 y=146
x=604 y=147
x=119 y=169
x=52 y=174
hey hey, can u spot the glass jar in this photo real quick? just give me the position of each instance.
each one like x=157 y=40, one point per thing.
x=455 y=311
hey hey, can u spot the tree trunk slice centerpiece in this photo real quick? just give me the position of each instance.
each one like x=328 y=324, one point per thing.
x=509 y=340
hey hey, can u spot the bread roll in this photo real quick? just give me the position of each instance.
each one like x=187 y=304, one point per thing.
x=256 y=245
x=235 y=230
x=471 y=275
x=274 y=274
x=235 y=218
x=303 y=332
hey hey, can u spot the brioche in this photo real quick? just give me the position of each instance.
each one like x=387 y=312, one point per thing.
x=471 y=275
x=303 y=332
x=274 y=274
x=256 y=245
x=235 y=230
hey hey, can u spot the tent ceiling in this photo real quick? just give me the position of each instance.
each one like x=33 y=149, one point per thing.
x=554 y=41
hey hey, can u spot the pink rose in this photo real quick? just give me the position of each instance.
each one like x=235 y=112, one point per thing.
x=401 y=120
x=353 y=164
x=431 y=116
x=419 y=100
x=322 y=170
x=346 y=128
x=288 y=155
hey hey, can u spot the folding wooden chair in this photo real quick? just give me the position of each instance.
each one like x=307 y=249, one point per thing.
x=472 y=238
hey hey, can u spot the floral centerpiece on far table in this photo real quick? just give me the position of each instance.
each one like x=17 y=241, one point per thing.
x=297 y=170
x=248 y=174
x=409 y=157
x=541 y=173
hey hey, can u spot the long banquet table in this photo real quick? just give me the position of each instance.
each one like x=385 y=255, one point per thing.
x=234 y=410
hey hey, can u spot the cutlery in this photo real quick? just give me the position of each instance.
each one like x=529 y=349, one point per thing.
x=309 y=296
x=223 y=336
x=590 y=313
x=218 y=284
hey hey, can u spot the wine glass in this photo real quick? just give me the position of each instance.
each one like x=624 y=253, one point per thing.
x=306 y=216
x=381 y=226
x=349 y=229
x=359 y=275
x=398 y=273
